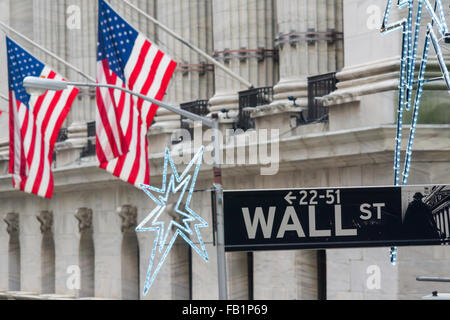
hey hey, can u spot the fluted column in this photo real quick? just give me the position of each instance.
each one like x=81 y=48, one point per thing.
x=4 y=121
x=243 y=41
x=21 y=18
x=193 y=79
x=310 y=43
x=81 y=52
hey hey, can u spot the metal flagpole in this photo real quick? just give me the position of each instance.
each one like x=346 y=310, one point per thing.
x=84 y=75
x=48 y=84
x=191 y=46
x=219 y=212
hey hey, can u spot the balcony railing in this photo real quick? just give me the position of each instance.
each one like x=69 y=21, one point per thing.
x=251 y=99
x=91 y=129
x=199 y=107
x=63 y=135
x=89 y=150
x=318 y=87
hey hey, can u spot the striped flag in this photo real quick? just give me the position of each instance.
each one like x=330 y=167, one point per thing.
x=34 y=122
x=127 y=59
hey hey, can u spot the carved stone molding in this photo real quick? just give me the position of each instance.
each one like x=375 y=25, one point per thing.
x=87 y=92
x=202 y=68
x=243 y=54
x=128 y=214
x=46 y=220
x=84 y=217
x=311 y=36
x=12 y=220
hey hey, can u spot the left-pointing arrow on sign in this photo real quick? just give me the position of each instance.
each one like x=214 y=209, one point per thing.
x=289 y=198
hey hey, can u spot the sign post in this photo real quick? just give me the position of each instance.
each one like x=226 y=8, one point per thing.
x=336 y=218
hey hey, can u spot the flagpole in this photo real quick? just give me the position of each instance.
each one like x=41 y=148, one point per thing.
x=20 y=35
x=191 y=46
x=32 y=83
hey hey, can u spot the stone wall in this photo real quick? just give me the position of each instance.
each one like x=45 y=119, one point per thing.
x=276 y=43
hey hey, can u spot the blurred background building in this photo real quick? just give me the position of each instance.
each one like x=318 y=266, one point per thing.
x=323 y=75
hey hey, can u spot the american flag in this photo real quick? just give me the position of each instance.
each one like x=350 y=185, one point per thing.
x=127 y=59
x=34 y=122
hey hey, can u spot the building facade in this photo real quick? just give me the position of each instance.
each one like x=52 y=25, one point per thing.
x=82 y=242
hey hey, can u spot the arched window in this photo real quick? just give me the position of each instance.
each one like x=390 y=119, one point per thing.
x=129 y=253
x=86 y=253
x=12 y=220
x=47 y=253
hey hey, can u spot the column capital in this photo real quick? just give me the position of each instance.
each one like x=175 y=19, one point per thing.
x=128 y=215
x=84 y=217
x=12 y=221
x=45 y=218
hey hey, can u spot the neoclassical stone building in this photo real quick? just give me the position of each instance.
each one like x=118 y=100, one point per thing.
x=293 y=51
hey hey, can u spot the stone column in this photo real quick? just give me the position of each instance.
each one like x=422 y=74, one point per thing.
x=129 y=253
x=14 y=257
x=369 y=80
x=243 y=41
x=86 y=253
x=4 y=121
x=309 y=41
x=81 y=52
x=47 y=275
x=21 y=19
x=136 y=19
x=193 y=79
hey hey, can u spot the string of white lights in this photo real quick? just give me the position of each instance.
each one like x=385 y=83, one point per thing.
x=408 y=71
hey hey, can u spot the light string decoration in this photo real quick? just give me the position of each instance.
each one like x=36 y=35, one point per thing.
x=410 y=45
x=182 y=186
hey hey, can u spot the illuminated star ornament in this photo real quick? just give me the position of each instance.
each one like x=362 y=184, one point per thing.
x=182 y=219
x=437 y=31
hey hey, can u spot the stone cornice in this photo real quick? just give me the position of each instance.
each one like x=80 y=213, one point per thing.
x=374 y=77
x=275 y=108
x=318 y=150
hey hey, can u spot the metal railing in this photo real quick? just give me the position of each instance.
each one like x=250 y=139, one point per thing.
x=318 y=87
x=89 y=151
x=250 y=99
x=199 y=107
x=91 y=129
x=63 y=135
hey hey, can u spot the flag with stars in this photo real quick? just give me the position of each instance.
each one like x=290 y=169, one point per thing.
x=34 y=122
x=127 y=59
